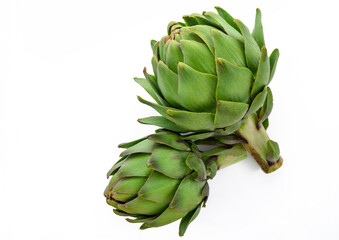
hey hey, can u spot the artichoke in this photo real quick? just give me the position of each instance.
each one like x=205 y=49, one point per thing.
x=163 y=177
x=211 y=76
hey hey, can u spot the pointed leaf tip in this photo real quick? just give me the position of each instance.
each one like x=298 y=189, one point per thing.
x=273 y=62
x=185 y=221
x=258 y=32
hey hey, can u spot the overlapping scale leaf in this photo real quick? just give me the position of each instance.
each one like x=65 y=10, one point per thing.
x=187 y=34
x=194 y=121
x=266 y=109
x=135 y=165
x=273 y=62
x=234 y=83
x=170 y=139
x=168 y=83
x=185 y=221
x=228 y=18
x=193 y=53
x=161 y=122
x=257 y=102
x=141 y=206
x=169 y=162
x=229 y=113
x=174 y=56
x=204 y=32
x=201 y=97
x=228 y=48
x=159 y=188
x=252 y=50
x=263 y=73
x=143 y=146
x=225 y=26
x=258 y=32
x=127 y=188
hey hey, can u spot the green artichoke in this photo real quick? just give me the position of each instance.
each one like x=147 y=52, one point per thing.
x=163 y=178
x=211 y=75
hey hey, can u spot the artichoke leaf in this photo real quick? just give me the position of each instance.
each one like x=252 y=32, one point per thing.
x=258 y=32
x=234 y=83
x=145 y=146
x=140 y=220
x=230 y=129
x=257 y=102
x=273 y=62
x=228 y=18
x=196 y=90
x=116 y=167
x=169 y=162
x=168 y=83
x=190 y=21
x=273 y=152
x=193 y=53
x=228 y=48
x=141 y=206
x=129 y=185
x=166 y=217
x=159 y=188
x=159 y=108
x=203 y=20
x=161 y=122
x=170 y=139
x=195 y=163
x=225 y=26
x=124 y=214
x=187 y=34
x=252 y=50
x=174 y=56
x=197 y=136
x=185 y=221
x=229 y=113
x=135 y=166
x=131 y=144
x=188 y=194
x=192 y=121
x=263 y=73
x=266 y=109
x=266 y=123
x=146 y=84
x=204 y=32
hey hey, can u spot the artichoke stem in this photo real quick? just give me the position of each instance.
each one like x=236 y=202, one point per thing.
x=256 y=136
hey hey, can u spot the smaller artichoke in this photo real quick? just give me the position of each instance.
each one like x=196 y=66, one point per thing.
x=163 y=177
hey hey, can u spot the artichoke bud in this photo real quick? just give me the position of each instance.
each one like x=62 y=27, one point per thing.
x=209 y=73
x=160 y=179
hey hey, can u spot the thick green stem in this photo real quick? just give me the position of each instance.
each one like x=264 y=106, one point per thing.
x=231 y=156
x=257 y=138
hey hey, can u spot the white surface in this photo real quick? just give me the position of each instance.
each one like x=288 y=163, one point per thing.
x=67 y=99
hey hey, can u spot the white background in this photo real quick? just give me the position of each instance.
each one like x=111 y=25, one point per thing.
x=67 y=99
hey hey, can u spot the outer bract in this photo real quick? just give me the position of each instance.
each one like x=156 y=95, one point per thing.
x=163 y=178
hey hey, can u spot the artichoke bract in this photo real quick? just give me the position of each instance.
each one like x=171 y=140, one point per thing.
x=211 y=75
x=163 y=178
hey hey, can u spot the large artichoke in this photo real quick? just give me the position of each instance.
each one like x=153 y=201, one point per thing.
x=163 y=178
x=211 y=75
